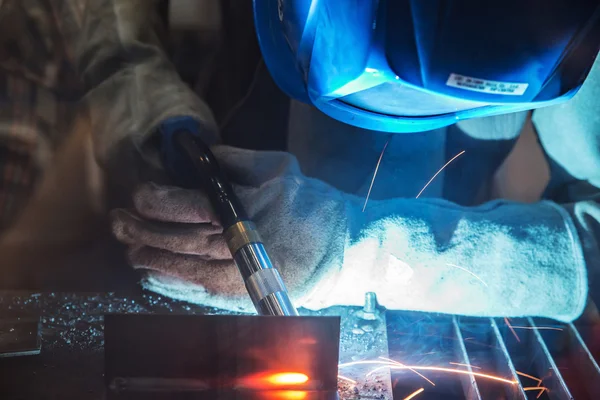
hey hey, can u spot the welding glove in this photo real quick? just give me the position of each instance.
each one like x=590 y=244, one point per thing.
x=176 y=239
x=499 y=259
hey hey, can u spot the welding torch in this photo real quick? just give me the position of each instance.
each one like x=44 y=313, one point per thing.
x=191 y=163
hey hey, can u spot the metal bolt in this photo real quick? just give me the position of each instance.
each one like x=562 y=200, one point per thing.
x=369 y=310
x=370 y=302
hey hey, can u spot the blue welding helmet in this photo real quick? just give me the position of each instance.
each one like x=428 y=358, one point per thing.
x=415 y=65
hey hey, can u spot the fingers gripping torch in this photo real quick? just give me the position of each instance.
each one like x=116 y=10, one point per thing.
x=191 y=164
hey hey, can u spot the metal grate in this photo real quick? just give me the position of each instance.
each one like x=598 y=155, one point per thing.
x=543 y=359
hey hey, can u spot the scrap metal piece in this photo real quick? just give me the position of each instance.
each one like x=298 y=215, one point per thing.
x=20 y=337
x=219 y=356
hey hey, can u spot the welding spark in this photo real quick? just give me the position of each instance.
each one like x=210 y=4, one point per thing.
x=511 y=329
x=466 y=270
x=549 y=328
x=465 y=365
x=538 y=380
x=375 y=173
x=438 y=369
x=414 y=394
x=402 y=365
x=366 y=362
x=457 y=371
x=344 y=378
x=440 y=170
x=540 y=388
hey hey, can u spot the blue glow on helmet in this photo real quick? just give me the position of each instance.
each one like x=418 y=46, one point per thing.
x=415 y=65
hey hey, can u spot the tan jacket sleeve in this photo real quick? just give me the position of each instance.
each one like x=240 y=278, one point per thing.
x=131 y=85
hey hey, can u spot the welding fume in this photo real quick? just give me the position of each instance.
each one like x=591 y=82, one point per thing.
x=277 y=154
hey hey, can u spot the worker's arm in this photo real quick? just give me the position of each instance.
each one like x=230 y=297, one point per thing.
x=511 y=250
x=500 y=259
x=131 y=85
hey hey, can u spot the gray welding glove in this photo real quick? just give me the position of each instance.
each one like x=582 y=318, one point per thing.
x=499 y=259
x=176 y=239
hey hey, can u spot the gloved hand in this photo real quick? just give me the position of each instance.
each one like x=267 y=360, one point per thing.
x=498 y=259
x=175 y=238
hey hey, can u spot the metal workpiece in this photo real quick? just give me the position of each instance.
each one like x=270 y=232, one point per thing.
x=20 y=337
x=263 y=282
x=362 y=340
x=219 y=356
x=552 y=360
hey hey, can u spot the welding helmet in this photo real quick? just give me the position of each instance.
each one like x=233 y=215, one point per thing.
x=415 y=65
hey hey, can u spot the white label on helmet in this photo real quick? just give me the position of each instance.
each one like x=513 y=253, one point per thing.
x=485 y=86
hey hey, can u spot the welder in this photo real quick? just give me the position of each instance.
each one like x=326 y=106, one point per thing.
x=509 y=228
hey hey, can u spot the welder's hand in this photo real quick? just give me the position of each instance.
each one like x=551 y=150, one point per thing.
x=175 y=238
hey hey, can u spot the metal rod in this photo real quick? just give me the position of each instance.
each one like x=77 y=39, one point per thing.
x=554 y=381
x=518 y=392
x=587 y=365
x=469 y=383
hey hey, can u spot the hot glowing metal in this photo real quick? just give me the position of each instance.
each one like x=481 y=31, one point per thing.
x=287 y=378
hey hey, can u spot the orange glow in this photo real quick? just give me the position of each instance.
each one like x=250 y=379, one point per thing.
x=281 y=381
x=540 y=388
x=286 y=395
x=538 y=380
x=287 y=378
